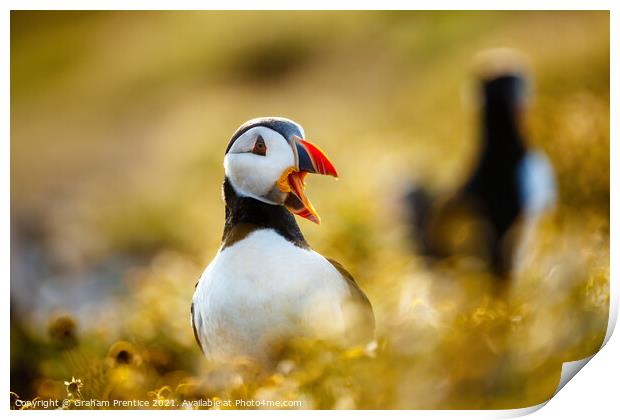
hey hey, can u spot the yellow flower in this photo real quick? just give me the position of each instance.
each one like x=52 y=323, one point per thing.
x=62 y=331
x=123 y=353
x=163 y=393
x=73 y=388
x=14 y=397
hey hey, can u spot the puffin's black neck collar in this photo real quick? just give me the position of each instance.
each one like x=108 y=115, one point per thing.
x=242 y=212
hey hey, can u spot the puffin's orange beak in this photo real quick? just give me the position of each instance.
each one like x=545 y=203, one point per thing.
x=309 y=159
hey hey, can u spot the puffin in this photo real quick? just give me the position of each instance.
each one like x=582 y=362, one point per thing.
x=510 y=186
x=266 y=285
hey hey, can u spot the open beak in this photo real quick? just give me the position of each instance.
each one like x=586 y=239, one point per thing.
x=309 y=158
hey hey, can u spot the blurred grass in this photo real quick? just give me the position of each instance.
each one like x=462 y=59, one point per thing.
x=119 y=122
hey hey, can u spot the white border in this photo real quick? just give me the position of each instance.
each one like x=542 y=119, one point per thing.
x=600 y=383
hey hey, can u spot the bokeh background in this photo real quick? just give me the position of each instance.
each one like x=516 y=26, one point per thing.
x=119 y=121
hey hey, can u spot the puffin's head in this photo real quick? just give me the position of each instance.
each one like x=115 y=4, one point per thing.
x=268 y=159
x=504 y=79
x=505 y=90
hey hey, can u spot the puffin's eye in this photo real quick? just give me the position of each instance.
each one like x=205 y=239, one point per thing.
x=260 y=148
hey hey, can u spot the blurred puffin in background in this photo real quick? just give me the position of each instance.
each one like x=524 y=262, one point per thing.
x=509 y=187
x=266 y=284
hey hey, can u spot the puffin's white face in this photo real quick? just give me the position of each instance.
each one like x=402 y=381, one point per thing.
x=255 y=163
x=262 y=164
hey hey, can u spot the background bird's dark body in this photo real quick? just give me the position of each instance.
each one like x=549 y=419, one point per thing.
x=491 y=201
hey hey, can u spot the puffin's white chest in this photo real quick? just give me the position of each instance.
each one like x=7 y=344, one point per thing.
x=264 y=288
